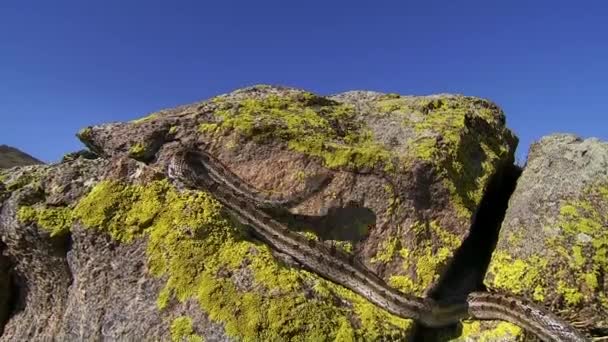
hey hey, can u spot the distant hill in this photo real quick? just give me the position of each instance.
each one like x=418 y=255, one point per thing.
x=10 y=156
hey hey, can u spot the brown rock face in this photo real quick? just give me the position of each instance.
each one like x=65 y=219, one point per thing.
x=107 y=249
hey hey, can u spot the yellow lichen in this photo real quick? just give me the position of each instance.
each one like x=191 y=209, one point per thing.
x=24 y=179
x=181 y=330
x=56 y=221
x=137 y=150
x=386 y=251
x=426 y=259
x=306 y=127
x=472 y=330
x=145 y=118
x=571 y=295
x=582 y=223
x=196 y=247
x=518 y=275
x=445 y=140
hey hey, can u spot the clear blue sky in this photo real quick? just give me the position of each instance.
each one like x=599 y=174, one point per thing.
x=68 y=64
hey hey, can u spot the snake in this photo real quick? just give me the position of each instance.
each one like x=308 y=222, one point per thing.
x=197 y=169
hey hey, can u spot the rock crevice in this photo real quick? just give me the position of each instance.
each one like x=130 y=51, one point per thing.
x=7 y=289
x=468 y=267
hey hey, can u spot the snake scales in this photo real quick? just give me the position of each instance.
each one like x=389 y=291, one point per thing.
x=197 y=169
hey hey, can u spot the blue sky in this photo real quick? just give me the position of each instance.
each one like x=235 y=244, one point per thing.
x=68 y=64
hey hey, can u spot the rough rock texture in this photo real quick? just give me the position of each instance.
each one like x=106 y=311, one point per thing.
x=108 y=249
x=553 y=245
x=39 y=268
x=418 y=165
x=10 y=156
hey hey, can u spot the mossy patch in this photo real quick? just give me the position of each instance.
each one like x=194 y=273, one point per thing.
x=581 y=247
x=435 y=248
x=393 y=199
x=145 y=118
x=85 y=133
x=467 y=160
x=567 y=272
x=472 y=330
x=466 y=155
x=387 y=250
x=519 y=275
x=56 y=221
x=345 y=246
x=202 y=253
x=137 y=150
x=22 y=180
x=309 y=124
x=182 y=330
x=464 y=138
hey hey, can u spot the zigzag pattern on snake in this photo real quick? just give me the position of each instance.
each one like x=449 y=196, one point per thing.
x=199 y=170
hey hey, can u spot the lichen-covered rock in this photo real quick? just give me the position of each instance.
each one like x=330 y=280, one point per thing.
x=553 y=245
x=107 y=248
x=408 y=171
x=39 y=268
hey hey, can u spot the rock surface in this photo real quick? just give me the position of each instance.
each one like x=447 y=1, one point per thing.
x=10 y=156
x=102 y=247
x=553 y=245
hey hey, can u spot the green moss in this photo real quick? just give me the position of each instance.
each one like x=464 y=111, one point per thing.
x=332 y=131
x=386 y=252
x=470 y=328
x=539 y=293
x=346 y=246
x=309 y=124
x=208 y=127
x=309 y=235
x=571 y=295
x=173 y=129
x=389 y=105
x=393 y=199
x=435 y=248
x=445 y=139
x=582 y=223
x=515 y=238
x=519 y=275
x=196 y=247
x=301 y=176
x=404 y=284
x=122 y=211
x=137 y=150
x=26 y=178
x=591 y=281
x=145 y=118
x=56 y=221
x=502 y=331
x=181 y=330
x=577 y=255
x=85 y=133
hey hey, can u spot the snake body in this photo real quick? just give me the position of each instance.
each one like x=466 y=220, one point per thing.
x=196 y=169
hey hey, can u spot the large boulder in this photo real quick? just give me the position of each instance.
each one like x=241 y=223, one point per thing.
x=553 y=244
x=109 y=248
